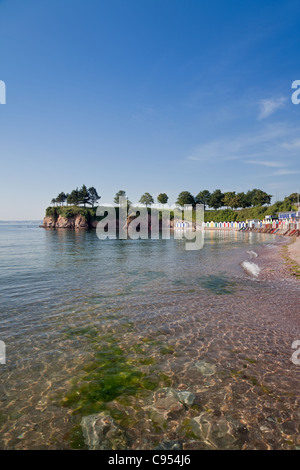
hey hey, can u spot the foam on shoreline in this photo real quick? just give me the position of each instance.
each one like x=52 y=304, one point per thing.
x=252 y=254
x=251 y=268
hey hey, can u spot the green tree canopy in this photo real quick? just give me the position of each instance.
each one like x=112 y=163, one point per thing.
x=84 y=196
x=185 y=198
x=94 y=196
x=61 y=198
x=119 y=194
x=73 y=197
x=146 y=199
x=162 y=198
x=203 y=197
x=292 y=198
x=216 y=199
x=230 y=199
x=243 y=200
x=259 y=197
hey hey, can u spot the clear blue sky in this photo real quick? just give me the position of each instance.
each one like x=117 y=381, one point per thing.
x=147 y=95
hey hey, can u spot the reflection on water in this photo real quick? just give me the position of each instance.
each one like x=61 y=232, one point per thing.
x=125 y=327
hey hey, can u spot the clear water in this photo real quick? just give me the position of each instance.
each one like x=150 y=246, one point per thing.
x=93 y=325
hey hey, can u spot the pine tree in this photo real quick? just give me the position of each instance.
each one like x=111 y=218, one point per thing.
x=94 y=196
x=84 y=196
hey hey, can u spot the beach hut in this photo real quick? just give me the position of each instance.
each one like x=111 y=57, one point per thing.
x=182 y=225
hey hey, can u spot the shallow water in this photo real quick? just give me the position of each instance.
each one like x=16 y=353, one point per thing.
x=100 y=325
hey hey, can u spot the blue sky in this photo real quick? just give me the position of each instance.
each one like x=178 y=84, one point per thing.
x=147 y=95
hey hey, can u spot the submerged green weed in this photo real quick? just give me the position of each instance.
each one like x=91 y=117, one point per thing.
x=219 y=285
x=115 y=371
x=76 y=438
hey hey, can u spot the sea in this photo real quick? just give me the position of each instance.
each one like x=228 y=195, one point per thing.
x=181 y=349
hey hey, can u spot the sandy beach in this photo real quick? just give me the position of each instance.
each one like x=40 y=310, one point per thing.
x=294 y=250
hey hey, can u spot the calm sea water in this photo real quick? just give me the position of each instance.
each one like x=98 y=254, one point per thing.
x=100 y=326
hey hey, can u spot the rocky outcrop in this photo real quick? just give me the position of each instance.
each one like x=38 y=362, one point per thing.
x=48 y=222
x=78 y=221
x=74 y=222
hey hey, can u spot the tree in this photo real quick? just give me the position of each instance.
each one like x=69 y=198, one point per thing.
x=119 y=194
x=216 y=199
x=203 y=197
x=53 y=201
x=243 y=200
x=84 y=196
x=94 y=196
x=61 y=198
x=259 y=197
x=292 y=198
x=73 y=197
x=230 y=199
x=162 y=198
x=185 y=198
x=146 y=199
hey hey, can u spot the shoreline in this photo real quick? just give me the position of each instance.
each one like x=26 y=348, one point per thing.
x=294 y=250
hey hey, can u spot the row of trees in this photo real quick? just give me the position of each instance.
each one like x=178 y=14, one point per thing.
x=77 y=197
x=146 y=198
x=215 y=200
x=90 y=196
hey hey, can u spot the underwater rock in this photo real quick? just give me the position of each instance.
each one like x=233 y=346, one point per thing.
x=185 y=397
x=169 y=402
x=205 y=367
x=102 y=433
x=169 y=445
x=166 y=402
x=219 y=432
x=182 y=387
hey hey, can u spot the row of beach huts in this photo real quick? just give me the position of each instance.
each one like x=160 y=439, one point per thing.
x=287 y=223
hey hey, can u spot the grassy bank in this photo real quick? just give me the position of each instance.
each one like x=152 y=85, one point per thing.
x=71 y=211
x=259 y=212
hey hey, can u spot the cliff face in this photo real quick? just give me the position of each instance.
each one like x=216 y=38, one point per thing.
x=48 y=222
x=77 y=221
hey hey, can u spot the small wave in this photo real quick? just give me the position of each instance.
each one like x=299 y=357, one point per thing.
x=252 y=254
x=251 y=268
